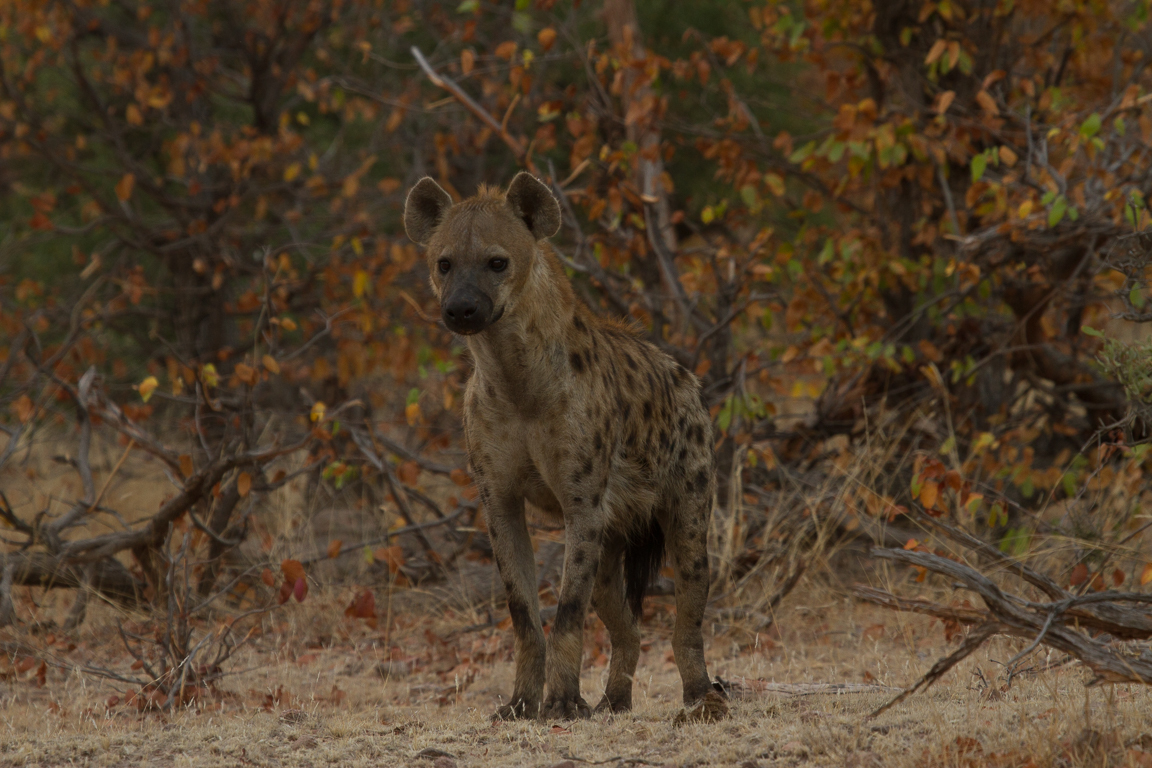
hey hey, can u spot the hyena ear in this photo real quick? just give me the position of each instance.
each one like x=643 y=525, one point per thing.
x=533 y=202
x=424 y=210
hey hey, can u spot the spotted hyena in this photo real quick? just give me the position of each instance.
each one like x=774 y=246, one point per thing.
x=586 y=420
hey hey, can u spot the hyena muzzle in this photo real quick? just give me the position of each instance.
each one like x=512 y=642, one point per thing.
x=589 y=422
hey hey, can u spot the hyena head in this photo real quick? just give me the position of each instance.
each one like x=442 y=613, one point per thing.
x=481 y=251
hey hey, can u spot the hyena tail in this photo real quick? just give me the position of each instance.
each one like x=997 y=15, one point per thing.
x=643 y=557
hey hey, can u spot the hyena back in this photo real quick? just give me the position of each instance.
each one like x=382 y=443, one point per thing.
x=586 y=420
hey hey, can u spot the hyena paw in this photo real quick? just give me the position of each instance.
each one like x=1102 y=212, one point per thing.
x=520 y=709
x=566 y=708
x=617 y=704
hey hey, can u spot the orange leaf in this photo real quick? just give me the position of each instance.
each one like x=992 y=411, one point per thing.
x=187 y=468
x=334 y=547
x=945 y=101
x=412 y=413
x=392 y=555
x=1117 y=577
x=363 y=606
x=467 y=61
x=506 y=50
x=293 y=570
x=460 y=477
x=1146 y=574
x=270 y=364
x=23 y=408
x=1079 y=575
x=247 y=374
x=408 y=472
x=987 y=102
x=911 y=544
x=936 y=51
x=244 y=484
x=546 y=37
x=267 y=577
x=124 y=187
x=928 y=494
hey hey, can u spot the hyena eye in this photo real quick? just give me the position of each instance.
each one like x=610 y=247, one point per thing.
x=444 y=265
x=497 y=265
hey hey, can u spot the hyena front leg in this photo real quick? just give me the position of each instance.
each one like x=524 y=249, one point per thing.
x=582 y=535
x=516 y=561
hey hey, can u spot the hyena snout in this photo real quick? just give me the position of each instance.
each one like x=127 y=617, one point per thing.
x=468 y=310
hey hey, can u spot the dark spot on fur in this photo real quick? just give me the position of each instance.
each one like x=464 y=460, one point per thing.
x=630 y=361
x=596 y=500
x=491 y=391
x=578 y=558
x=598 y=442
x=579 y=324
x=648 y=410
x=521 y=615
x=700 y=482
x=683 y=454
x=586 y=469
x=577 y=499
x=569 y=617
x=701 y=563
x=577 y=362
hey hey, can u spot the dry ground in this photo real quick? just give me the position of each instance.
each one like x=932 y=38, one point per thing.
x=319 y=689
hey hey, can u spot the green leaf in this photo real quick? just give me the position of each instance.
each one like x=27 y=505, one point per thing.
x=1088 y=330
x=1056 y=212
x=1136 y=296
x=468 y=6
x=802 y=154
x=1091 y=126
x=413 y=396
x=979 y=163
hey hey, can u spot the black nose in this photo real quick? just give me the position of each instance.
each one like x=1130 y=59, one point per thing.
x=468 y=310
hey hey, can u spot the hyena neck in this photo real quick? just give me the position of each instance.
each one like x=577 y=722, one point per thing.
x=523 y=354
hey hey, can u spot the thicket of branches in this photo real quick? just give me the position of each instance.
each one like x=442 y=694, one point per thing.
x=916 y=217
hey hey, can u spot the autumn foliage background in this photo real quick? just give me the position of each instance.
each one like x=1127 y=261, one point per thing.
x=902 y=244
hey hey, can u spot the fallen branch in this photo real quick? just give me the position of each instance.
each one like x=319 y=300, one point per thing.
x=1057 y=624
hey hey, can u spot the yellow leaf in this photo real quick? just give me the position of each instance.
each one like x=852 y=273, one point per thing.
x=334 y=547
x=357 y=246
x=412 y=413
x=1146 y=574
x=186 y=465
x=209 y=376
x=287 y=323
x=291 y=171
x=270 y=364
x=124 y=187
x=1008 y=156
x=318 y=409
x=775 y=183
x=147 y=387
x=133 y=115
x=360 y=283
x=945 y=101
x=244 y=484
x=1025 y=209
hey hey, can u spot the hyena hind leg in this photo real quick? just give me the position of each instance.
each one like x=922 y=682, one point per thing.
x=688 y=545
x=623 y=627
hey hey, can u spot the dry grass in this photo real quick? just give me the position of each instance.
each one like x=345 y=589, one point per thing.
x=316 y=689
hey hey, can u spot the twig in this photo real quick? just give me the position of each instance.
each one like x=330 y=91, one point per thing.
x=442 y=81
x=969 y=646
